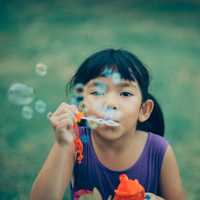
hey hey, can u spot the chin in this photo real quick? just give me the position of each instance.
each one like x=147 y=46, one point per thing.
x=109 y=133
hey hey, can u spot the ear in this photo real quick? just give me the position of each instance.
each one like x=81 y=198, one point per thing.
x=146 y=110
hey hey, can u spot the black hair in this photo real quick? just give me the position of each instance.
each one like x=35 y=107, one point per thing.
x=130 y=68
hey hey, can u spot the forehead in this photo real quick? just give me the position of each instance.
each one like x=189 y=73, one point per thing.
x=108 y=81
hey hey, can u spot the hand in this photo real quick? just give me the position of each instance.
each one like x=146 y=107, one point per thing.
x=151 y=196
x=61 y=121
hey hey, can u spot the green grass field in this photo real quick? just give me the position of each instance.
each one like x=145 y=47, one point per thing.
x=164 y=34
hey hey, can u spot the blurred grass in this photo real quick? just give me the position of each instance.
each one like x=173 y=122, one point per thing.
x=61 y=34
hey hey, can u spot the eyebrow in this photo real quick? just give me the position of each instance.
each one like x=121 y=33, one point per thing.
x=121 y=84
x=127 y=84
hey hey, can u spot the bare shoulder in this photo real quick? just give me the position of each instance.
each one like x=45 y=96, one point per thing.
x=170 y=180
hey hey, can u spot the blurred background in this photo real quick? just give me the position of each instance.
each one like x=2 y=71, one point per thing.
x=43 y=42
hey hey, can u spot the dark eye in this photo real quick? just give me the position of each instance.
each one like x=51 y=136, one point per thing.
x=126 y=94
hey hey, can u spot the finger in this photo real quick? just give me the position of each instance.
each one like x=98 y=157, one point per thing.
x=61 y=124
x=66 y=116
x=61 y=108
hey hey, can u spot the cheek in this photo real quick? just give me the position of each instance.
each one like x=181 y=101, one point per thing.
x=94 y=105
x=131 y=108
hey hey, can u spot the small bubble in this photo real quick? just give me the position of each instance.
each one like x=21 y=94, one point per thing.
x=40 y=106
x=116 y=78
x=20 y=94
x=108 y=113
x=41 y=69
x=83 y=108
x=27 y=112
x=107 y=72
x=79 y=89
x=73 y=100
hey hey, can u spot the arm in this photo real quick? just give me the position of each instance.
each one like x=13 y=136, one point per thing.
x=55 y=174
x=171 y=186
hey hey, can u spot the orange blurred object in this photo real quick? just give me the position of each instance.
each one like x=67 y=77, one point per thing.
x=79 y=149
x=78 y=116
x=129 y=189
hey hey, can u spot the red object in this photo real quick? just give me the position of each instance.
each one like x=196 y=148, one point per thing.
x=129 y=189
x=78 y=143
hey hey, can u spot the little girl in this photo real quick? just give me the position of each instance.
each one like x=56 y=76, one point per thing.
x=109 y=85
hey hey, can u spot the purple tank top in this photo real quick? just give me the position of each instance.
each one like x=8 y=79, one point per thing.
x=91 y=173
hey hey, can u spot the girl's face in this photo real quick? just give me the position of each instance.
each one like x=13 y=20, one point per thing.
x=120 y=101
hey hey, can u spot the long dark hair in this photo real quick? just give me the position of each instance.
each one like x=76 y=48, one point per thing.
x=130 y=68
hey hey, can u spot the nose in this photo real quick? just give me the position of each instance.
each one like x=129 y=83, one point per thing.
x=111 y=102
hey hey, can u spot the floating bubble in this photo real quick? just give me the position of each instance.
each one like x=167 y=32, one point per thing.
x=40 y=106
x=27 y=112
x=83 y=108
x=100 y=87
x=20 y=94
x=79 y=89
x=41 y=69
x=75 y=100
x=110 y=113
x=107 y=72
x=116 y=78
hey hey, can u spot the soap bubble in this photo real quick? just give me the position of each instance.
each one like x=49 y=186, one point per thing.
x=27 y=112
x=110 y=113
x=79 y=89
x=116 y=78
x=40 y=106
x=107 y=72
x=75 y=100
x=83 y=108
x=41 y=69
x=100 y=87
x=20 y=94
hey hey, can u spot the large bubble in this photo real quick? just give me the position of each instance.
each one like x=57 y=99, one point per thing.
x=20 y=94
x=40 y=106
x=41 y=69
x=27 y=112
x=111 y=114
x=116 y=78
